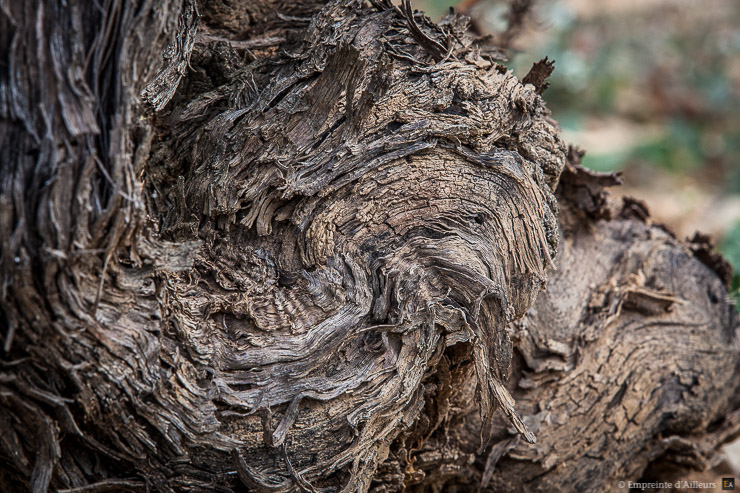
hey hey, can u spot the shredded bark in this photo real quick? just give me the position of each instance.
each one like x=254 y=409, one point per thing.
x=538 y=74
x=621 y=368
x=283 y=246
x=585 y=188
x=703 y=247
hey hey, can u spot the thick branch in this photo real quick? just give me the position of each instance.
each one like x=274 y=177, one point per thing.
x=282 y=245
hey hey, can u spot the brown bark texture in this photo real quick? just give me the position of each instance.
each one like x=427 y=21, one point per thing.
x=277 y=246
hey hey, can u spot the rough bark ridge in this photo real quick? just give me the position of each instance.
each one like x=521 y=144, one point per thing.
x=622 y=369
x=280 y=246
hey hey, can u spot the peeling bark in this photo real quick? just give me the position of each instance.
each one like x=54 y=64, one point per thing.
x=622 y=369
x=278 y=246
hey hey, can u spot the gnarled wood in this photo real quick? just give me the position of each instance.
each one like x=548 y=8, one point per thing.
x=622 y=369
x=281 y=246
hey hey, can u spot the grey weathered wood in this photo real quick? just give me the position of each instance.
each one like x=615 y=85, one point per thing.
x=276 y=246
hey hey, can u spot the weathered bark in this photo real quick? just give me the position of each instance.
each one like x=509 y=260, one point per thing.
x=624 y=368
x=276 y=246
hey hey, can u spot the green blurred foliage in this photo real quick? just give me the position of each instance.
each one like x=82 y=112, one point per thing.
x=730 y=248
x=435 y=9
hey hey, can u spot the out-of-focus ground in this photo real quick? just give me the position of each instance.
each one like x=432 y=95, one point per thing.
x=650 y=88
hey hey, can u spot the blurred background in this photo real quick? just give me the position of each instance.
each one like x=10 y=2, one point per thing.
x=647 y=87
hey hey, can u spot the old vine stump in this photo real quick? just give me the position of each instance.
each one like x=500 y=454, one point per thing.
x=276 y=246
